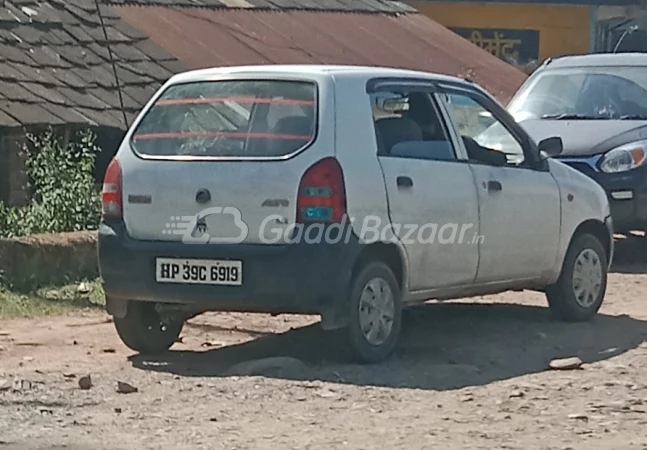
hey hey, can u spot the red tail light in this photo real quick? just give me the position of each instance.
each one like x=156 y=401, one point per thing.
x=322 y=193
x=112 y=206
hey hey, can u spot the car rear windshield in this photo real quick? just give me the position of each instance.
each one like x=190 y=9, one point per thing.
x=233 y=118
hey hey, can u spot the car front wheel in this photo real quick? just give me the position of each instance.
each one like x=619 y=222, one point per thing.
x=144 y=330
x=579 y=292
x=375 y=313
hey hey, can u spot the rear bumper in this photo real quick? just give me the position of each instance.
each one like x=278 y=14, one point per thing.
x=293 y=278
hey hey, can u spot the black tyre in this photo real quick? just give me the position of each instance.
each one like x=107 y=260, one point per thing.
x=143 y=330
x=375 y=313
x=579 y=292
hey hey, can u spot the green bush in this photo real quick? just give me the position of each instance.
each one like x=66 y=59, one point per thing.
x=63 y=194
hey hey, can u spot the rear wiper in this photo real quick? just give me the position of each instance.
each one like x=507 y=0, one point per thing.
x=633 y=117
x=570 y=117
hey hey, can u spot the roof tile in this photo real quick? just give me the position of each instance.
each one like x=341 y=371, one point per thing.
x=141 y=94
x=6 y=120
x=69 y=115
x=8 y=72
x=173 y=66
x=13 y=91
x=48 y=94
x=109 y=97
x=113 y=118
x=46 y=56
x=38 y=75
x=30 y=114
x=129 y=30
x=97 y=75
x=56 y=14
x=150 y=69
x=128 y=77
x=154 y=51
x=82 y=98
x=69 y=78
x=62 y=37
x=85 y=15
x=78 y=33
x=130 y=52
x=55 y=66
x=77 y=55
x=29 y=33
x=14 y=54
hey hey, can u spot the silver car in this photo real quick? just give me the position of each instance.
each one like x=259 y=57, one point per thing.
x=348 y=192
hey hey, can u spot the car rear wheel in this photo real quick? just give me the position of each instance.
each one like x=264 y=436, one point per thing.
x=144 y=330
x=579 y=292
x=375 y=313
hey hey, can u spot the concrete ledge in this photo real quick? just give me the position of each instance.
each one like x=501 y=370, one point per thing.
x=44 y=259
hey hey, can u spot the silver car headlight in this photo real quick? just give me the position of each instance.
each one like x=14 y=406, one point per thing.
x=624 y=158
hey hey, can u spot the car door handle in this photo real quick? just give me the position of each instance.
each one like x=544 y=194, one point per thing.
x=405 y=181
x=494 y=186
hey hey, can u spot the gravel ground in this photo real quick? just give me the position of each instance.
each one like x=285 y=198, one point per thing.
x=466 y=375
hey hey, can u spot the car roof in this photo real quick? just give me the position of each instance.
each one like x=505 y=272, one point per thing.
x=314 y=71
x=600 y=60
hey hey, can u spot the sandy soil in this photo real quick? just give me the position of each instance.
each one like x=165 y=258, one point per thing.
x=467 y=375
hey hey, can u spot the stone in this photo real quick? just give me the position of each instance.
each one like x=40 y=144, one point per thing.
x=85 y=382
x=574 y=363
x=125 y=388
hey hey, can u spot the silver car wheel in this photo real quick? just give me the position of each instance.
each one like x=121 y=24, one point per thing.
x=587 y=278
x=376 y=311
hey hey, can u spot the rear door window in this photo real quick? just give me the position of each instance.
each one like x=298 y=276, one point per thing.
x=233 y=118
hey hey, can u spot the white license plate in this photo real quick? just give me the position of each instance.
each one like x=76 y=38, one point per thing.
x=199 y=271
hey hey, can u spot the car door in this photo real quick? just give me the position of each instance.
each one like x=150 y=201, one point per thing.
x=519 y=202
x=432 y=199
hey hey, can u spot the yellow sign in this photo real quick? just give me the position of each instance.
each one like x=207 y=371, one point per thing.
x=519 y=47
x=498 y=45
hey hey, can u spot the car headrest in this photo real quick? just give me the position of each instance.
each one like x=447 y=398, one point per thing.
x=294 y=125
x=393 y=130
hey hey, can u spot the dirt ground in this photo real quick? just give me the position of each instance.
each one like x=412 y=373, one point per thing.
x=467 y=375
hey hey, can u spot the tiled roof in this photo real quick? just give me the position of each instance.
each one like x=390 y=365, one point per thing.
x=201 y=37
x=54 y=66
x=360 y=6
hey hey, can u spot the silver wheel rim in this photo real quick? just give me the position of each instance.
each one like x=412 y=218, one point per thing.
x=376 y=311
x=587 y=278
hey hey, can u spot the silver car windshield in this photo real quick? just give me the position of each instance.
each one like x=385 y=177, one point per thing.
x=584 y=93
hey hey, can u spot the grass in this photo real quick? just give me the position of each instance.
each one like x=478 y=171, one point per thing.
x=54 y=300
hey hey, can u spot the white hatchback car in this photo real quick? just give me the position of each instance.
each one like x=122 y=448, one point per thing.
x=349 y=192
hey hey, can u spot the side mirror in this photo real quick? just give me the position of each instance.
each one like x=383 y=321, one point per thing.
x=549 y=147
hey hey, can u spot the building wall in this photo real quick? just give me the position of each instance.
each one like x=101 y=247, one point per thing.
x=561 y=30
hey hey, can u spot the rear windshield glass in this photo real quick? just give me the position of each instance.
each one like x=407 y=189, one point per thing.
x=241 y=118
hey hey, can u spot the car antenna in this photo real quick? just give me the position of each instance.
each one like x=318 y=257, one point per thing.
x=112 y=62
x=627 y=32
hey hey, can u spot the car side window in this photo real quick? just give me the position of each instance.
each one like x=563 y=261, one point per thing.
x=408 y=125
x=485 y=138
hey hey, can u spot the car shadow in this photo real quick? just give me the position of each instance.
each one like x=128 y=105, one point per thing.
x=443 y=347
x=630 y=255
